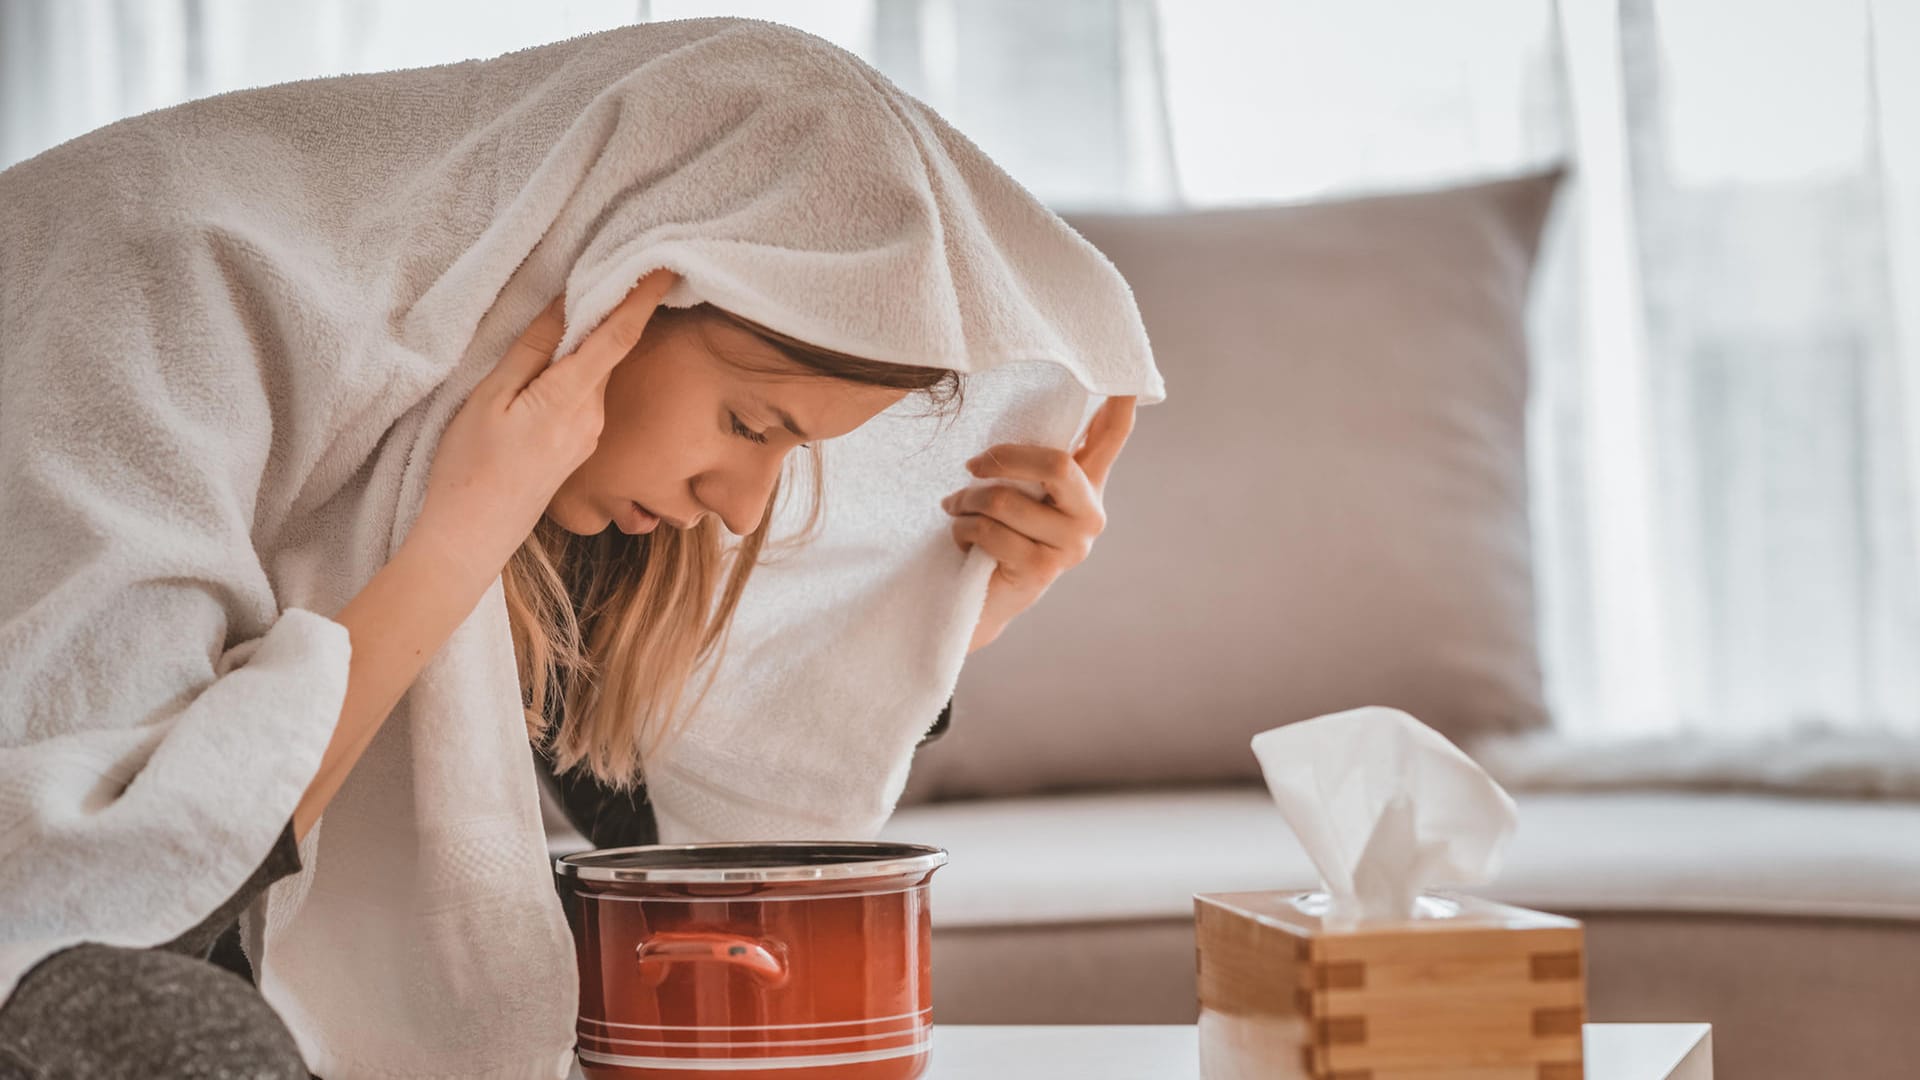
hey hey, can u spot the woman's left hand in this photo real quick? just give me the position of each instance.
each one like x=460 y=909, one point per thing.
x=1036 y=540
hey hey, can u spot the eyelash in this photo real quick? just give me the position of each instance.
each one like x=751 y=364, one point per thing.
x=745 y=432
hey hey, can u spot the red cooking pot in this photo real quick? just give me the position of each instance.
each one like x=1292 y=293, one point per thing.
x=763 y=961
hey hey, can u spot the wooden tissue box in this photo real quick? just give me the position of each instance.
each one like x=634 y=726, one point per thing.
x=1492 y=992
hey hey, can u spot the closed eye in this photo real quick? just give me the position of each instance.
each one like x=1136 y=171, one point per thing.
x=744 y=431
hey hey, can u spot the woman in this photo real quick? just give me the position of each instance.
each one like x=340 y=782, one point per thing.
x=568 y=443
x=312 y=541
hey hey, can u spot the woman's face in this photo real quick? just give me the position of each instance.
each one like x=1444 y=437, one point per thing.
x=687 y=432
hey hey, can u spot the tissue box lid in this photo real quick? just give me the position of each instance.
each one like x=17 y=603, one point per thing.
x=1278 y=909
x=1495 y=990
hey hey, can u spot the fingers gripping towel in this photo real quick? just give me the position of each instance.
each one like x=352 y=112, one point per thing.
x=231 y=334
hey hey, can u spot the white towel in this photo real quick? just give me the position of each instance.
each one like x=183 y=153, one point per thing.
x=231 y=334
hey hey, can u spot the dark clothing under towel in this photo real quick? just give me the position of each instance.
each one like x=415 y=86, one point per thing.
x=611 y=817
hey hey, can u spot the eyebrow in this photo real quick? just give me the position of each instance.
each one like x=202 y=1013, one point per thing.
x=786 y=421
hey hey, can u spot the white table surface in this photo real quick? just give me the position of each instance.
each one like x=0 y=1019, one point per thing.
x=1171 y=1052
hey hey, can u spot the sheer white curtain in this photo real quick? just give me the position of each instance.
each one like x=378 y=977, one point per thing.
x=1726 y=428
x=1737 y=448
x=1726 y=435
x=68 y=66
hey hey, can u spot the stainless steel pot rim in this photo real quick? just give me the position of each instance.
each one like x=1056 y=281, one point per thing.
x=782 y=860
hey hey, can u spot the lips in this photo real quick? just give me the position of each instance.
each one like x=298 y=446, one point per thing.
x=635 y=519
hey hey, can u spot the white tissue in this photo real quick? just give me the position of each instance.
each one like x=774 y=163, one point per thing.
x=1386 y=807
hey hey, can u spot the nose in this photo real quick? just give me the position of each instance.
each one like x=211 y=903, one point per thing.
x=739 y=497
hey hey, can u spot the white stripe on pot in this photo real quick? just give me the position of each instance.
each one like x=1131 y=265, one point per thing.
x=816 y=1061
x=906 y=1033
x=757 y=1027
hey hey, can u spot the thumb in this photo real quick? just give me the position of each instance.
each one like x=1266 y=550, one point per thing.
x=1105 y=436
x=610 y=342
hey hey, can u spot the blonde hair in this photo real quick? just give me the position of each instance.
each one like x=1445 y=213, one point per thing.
x=609 y=629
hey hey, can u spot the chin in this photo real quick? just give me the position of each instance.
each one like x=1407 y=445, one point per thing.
x=578 y=520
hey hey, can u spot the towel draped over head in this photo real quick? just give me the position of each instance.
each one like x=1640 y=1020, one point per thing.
x=231 y=333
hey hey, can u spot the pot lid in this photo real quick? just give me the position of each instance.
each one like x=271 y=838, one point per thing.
x=792 y=860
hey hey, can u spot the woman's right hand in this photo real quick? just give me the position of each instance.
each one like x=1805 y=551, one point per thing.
x=525 y=428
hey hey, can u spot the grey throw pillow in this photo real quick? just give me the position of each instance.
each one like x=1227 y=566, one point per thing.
x=1329 y=510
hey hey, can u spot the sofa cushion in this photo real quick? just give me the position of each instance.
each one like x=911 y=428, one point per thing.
x=1121 y=856
x=1329 y=510
x=1792 y=925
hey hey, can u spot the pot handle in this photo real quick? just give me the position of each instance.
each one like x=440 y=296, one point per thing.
x=670 y=946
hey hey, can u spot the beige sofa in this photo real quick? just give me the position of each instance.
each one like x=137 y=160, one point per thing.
x=1330 y=510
